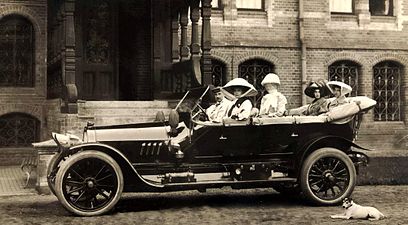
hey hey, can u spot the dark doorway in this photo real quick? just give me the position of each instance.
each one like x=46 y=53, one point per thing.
x=135 y=79
x=113 y=50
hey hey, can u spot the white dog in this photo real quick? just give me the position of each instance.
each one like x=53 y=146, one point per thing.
x=355 y=211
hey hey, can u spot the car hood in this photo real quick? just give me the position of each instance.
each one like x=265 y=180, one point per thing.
x=128 y=132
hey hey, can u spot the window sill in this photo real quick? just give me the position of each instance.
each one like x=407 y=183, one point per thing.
x=253 y=13
x=343 y=17
x=216 y=12
x=383 y=19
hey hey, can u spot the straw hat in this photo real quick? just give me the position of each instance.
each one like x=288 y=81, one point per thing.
x=344 y=88
x=247 y=88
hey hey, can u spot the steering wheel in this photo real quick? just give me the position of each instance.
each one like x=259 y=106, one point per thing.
x=201 y=111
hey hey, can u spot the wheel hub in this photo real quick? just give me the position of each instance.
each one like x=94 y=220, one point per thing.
x=328 y=175
x=90 y=183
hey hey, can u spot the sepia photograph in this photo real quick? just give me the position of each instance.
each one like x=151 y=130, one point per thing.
x=217 y=112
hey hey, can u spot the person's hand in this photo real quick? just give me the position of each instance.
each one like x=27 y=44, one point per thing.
x=272 y=114
x=235 y=117
x=321 y=82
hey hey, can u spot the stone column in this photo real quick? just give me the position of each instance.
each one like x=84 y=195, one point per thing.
x=194 y=16
x=206 y=42
x=70 y=93
x=175 y=50
x=45 y=151
x=184 y=49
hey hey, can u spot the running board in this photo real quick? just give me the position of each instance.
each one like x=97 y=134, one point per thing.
x=233 y=182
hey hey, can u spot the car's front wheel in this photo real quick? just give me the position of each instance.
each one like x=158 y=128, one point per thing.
x=51 y=173
x=89 y=183
x=327 y=176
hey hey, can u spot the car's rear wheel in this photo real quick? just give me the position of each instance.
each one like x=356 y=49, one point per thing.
x=89 y=183
x=327 y=176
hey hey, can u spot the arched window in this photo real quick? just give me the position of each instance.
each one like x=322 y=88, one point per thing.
x=17 y=52
x=346 y=72
x=254 y=71
x=18 y=130
x=218 y=73
x=387 y=91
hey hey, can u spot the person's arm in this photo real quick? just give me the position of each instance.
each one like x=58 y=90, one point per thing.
x=263 y=109
x=222 y=112
x=281 y=105
x=245 y=110
x=210 y=110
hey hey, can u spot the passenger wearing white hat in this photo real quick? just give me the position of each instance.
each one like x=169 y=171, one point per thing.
x=239 y=91
x=219 y=110
x=319 y=104
x=274 y=103
x=339 y=90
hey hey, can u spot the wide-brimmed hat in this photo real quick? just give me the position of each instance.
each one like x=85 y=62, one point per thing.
x=344 y=88
x=247 y=88
x=270 y=78
x=309 y=90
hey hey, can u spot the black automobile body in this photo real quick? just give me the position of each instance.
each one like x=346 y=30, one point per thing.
x=294 y=154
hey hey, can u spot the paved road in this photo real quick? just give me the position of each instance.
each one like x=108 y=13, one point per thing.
x=225 y=206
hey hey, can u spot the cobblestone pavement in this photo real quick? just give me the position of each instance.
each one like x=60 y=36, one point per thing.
x=12 y=181
x=225 y=206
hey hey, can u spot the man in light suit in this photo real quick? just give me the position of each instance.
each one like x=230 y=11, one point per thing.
x=219 y=110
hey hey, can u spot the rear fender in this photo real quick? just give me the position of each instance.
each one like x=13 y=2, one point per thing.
x=131 y=176
x=337 y=142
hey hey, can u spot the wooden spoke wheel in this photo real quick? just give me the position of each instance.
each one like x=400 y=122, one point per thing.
x=327 y=176
x=89 y=183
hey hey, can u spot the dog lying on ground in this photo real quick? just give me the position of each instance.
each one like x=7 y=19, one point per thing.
x=355 y=211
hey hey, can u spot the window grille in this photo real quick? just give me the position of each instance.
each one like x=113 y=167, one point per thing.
x=17 y=52
x=346 y=72
x=254 y=71
x=18 y=130
x=218 y=73
x=387 y=92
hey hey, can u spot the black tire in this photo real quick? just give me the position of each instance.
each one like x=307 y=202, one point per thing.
x=51 y=177
x=327 y=176
x=89 y=183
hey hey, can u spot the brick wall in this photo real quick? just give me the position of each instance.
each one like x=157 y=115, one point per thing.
x=272 y=35
x=29 y=100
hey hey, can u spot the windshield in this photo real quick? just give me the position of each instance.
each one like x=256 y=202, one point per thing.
x=201 y=96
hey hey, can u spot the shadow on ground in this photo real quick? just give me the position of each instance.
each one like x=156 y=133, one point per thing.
x=147 y=202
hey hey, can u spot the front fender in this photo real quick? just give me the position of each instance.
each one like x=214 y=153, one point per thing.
x=131 y=176
x=337 y=142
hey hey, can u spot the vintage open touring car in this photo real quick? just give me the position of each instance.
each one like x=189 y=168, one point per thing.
x=310 y=155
